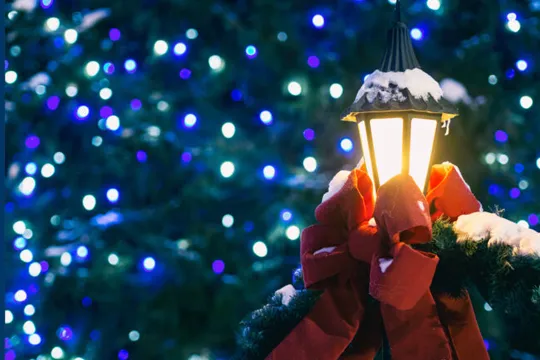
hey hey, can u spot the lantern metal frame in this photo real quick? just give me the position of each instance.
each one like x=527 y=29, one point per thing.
x=407 y=117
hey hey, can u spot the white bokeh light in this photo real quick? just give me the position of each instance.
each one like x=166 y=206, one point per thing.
x=526 y=102
x=227 y=169
x=228 y=130
x=310 y=164
x=227 y=221
x=161 y=47
x=336 y=90
x=89 y=202
x=292 y=232
x=294 y=88
x=260 y=249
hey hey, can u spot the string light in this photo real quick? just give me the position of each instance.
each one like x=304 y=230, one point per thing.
x=134 y=335
x=113 y=195
x=10 y=77
x=47 y=170
x=180 y=49
x=92 y=68
x=65 y=259
x=113 y=259
x=336 y=90
x=433 y=4
x=192 y=34
x=417 y=34
x=269 y=172
x=228 y=130
x=310 y=164
x=59 y=158
x=190 y=120
x=318 y=21
x=27 y=186
x=227 y=221
x=216 y=63
x=52 y=24
x=29 y=327
x=8 y=316
x=57 y=352
x=227 y=169
x=161 y=47
x=266 y=117
x=71 y=36
x=149 y=264
x=294 y=88
x=292 y=232
x=26 y=256
x=29 y=310
x=260 y=249
x=522 y=65
x=526 y=102
x=89 y=202
x=34 y=339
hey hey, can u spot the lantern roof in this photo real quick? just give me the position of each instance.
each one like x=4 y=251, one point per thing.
x=399 y=84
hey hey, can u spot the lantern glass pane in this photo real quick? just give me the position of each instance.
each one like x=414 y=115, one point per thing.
x=365 y=149
x=422 y=138
x=387 y=135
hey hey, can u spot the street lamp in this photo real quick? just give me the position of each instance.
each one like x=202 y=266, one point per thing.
x=398 y=110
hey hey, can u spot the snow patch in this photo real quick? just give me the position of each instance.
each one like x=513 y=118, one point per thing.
x=483 y=225
x=325 y=250
x=385 y=263
x=287 y=293
x=455 y=92
x=388 y=86
x=336 y=184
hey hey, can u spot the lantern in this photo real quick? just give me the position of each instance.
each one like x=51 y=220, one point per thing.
x=399 y=110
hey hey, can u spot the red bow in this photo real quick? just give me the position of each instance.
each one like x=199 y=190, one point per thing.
x=346 y=256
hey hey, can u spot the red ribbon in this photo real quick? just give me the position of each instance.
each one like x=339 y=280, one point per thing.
x=344 y=316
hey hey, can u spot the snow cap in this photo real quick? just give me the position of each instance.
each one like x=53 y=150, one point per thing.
x=399 y=84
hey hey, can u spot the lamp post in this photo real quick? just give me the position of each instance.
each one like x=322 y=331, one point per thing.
x=398 y=110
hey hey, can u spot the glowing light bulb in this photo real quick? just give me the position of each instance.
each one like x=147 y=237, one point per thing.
x=433 y=4
x=149 y=264
x=513 y=25
x=336 y=90
x=34 y=269
x=47 y=170
x=27 y=186
x=310 y=164
x=34 y=339
x=161 y=47
x=112 y=123
x=20 y=296
x=29 y=310
x=89 y=202
x=227 y=169
x=417 y=34
x=266 y=117
x=269 y=172
x=71 y=36
x=113 y=259
x=526 y=102
x=134 y=335
x=65 y=259
x=8 y=317
x=92 y=68
x=10 y=77
x=57 y=352
x=260 y=249
x=59 y=158
x=82 y=112
x=346 y=144
x=292 y=232
x=317 y=21
x=503 y=159
x=113 y=195
x=190 y=120
x=294 y=88
x=227 y=221
x=82 y=252
x=29 y=327
x=52 y=24
x=26 y=256
x=180 y=49
x=19 y=227
x=216 y=63
x=105 y=93
x=522 y=65
x=228 y=129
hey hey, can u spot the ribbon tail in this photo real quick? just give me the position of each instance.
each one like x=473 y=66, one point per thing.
x=327 y=330
x=457 y=315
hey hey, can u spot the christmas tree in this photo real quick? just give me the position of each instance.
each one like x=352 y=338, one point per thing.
x=162 y=157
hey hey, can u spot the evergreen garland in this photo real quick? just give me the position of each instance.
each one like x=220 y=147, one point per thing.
x=509 y=283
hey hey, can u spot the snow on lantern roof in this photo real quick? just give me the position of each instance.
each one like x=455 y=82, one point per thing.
x=400 y=84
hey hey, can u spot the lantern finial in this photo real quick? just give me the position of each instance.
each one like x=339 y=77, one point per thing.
x=398 y=11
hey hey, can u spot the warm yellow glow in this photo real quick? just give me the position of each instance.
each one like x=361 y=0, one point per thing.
x=387 y=135
x=422 y=138
x=365 y=148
